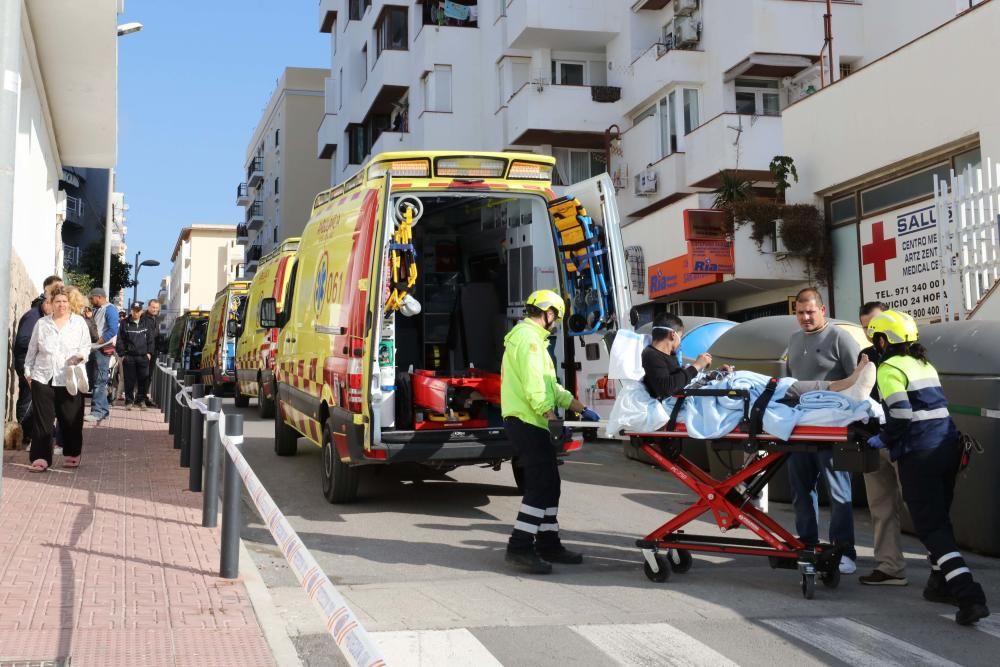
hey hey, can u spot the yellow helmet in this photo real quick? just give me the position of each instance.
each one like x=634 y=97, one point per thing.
x=897 y=326
x=544 y=299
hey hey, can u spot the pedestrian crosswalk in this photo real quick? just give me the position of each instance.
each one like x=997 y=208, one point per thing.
x=812 y=640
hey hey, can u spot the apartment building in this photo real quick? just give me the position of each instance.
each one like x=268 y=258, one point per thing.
x=665 y=95
x=205 y=259
x=283 y=173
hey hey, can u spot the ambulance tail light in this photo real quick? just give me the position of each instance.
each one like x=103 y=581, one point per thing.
x=354 y=375
x=530 y=171
x=470 y=167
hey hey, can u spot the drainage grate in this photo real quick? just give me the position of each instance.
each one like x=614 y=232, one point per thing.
x=55 y=662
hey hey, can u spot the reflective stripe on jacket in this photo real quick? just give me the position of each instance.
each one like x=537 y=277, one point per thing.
x=529 y=387
x=916 y=410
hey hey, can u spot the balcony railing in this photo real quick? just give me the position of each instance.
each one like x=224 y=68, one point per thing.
x=74 y=209
x=242 y=232
x=242 y=194
x=254 y=253
x=71 y=255
x=255 y=171
x=255 y=215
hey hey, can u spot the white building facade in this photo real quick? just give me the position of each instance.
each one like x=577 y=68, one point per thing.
x=205 y=259
x=283 y=173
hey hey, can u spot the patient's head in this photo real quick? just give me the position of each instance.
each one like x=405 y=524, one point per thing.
x=667 y=332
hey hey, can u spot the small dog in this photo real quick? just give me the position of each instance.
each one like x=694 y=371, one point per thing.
x=13 y=436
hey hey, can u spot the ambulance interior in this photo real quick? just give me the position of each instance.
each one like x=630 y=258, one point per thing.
x=478 y=257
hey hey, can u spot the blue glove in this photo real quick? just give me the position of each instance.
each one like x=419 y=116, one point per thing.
x=589 y=415
x=875 y=442
x=567 y=434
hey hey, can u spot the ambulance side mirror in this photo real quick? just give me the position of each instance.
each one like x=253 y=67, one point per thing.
x=268 y=314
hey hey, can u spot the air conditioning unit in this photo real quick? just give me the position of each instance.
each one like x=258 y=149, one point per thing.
x=685 y=7
x=687 y=32
x=645 y=183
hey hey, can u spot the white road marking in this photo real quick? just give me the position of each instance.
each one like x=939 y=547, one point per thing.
x=857 y=644
x=433 y=648
x=651 y=645
x=989 y=625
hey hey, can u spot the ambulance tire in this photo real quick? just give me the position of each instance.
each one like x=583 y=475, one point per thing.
x=286 y=438
x=265 y=407
x=340 y=481
x=239 y=400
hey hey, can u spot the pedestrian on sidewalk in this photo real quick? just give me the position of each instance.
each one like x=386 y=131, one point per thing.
x=135 y=348
x=921 y=436
x=530 y=394
x=885 y=498
x=821 y=351
x=106 y=318
x=40 y=307
x=59 y=345
x=152 y=317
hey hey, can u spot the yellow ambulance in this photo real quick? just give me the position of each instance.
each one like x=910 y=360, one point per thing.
x=256 y=346
x=218 y=356
x=407 y=278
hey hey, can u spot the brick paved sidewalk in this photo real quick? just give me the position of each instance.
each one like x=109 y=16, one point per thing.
x=109 y=564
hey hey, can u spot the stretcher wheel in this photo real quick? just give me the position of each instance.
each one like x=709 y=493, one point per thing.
x=831 y=578
x=809 y=586
x=680 y=560
x=664 y=567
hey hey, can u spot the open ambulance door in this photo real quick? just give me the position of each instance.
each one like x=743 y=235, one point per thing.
x=584 y=317
x=378 y=405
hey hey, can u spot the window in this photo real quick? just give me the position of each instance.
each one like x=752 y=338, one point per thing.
x=391 y=30
x=436 y=88
x=568 y=72
x=364 y=66
x=758 y=97
x=573 y=166
x=276 y=186
x=462 y=13
x=690 y=109
x=357 y=150
x=972 y=160
x=356 y=9
x=668 y=133
x=274 y=236
x=844 y=209
x=902 y=190
x=277 y=137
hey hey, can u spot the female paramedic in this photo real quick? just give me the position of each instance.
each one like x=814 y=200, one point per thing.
x=529 y=396
x=921 y=436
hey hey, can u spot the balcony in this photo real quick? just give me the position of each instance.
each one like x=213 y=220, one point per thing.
x=393 y=141
x=242 y=194
x=242 y=234
x=563 y=25
x=74 y=210
x=328 y=15
x=252 y=258
x=662 y=180
x=712 y=147
x=71 y=255
x=255 y=215
x=464 y=14
x=563 y=116
x=326 y=137
x=654 y=71
x=388 y=79
x=255 y=172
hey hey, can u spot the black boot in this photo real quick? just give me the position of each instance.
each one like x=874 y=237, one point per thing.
x=970 y=613
x=527 y=561
x=937 y=591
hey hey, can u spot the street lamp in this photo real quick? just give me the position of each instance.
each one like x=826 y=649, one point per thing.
x=135 y=277
x=129 y=28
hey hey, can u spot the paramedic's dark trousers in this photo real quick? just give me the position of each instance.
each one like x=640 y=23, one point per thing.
x=536 y=523
x=136 y=378
x=928 y=479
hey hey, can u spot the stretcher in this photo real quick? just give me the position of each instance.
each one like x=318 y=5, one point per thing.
x=731 y=500
x=584 y=266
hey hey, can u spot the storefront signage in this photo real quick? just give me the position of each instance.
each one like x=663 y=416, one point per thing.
x=900 y=264
x=711 y=256
x=675 y=275
x=705 y=224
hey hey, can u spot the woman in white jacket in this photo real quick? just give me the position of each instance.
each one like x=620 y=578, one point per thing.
x=53 y=368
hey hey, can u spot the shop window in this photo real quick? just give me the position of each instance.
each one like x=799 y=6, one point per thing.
x=843 y=210
x=902 y=190
x=391 y=30
x=847 y=287
x=573 y=166
x=969 y=160
x=758 y=97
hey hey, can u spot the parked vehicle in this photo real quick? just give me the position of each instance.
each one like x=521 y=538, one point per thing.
x=406 y=279
x=218 y=357
x=187 y=337
x=256 y=346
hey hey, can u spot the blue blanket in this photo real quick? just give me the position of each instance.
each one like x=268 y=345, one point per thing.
x=709 y=417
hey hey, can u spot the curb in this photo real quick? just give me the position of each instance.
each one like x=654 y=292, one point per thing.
x=273 y=625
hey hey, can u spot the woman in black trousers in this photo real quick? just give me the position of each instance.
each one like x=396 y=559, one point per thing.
x=53 y=367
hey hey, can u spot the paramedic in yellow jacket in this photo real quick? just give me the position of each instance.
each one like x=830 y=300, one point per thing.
x=529 y=396
x=922 y=438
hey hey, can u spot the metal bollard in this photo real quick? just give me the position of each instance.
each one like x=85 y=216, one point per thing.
x=175 y=412
x=185 y=423
x=229 y=562
x=210 y=497
x=195 y=434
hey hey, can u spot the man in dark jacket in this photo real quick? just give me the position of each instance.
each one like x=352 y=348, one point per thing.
x=152 y=319
x=664 y=376
x=25 y=327
x=136 y=341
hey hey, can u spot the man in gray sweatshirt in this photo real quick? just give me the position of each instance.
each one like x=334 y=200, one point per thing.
x=821 y=351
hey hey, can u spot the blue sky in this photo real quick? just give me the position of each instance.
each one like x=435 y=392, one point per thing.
x=191 y=88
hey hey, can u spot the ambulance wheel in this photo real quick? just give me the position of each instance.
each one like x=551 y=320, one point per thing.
x=239 y=400
x=286 y=438
x=265 y=408
x=808 y=585
x=518 y=475
x=662 y=565
x=340 y=481
x=680 y=560
x=831 y=578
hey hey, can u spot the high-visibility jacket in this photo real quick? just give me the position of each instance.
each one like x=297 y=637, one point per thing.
x=529 y=387
x=916 y=410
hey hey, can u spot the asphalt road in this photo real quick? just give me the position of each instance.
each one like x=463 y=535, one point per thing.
x=420 y=560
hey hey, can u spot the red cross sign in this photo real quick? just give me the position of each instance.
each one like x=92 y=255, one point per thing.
x=879 y=251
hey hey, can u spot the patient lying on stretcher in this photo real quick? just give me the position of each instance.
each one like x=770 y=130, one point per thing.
x=645 y=401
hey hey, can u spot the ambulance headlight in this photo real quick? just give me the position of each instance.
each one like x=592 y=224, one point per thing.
x=410 y=306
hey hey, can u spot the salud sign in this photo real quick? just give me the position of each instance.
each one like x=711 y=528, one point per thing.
x=675 y=275
x=900 y=264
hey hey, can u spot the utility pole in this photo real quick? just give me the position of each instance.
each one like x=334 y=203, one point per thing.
x=109 y=227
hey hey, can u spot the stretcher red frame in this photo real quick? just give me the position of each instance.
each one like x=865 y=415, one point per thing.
x=730 y=501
